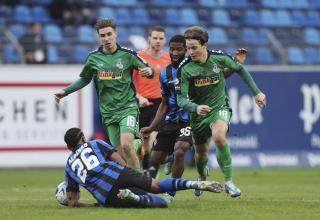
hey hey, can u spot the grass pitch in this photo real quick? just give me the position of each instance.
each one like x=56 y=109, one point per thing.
x=28 y=194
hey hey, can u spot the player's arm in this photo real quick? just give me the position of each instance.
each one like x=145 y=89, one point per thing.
x=73 y=201
x=161 y=112
x=260 y=97
x=241 y=56
x=85 y=79
x=115 y=156
x=144 y=69
x=110 y=153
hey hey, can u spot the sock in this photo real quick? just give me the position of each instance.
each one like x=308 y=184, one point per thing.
x=172 y=193
x=170 y=158
x=224 y=160
x=136 y=144
x=172 y=184
x=153 y=171
x=146 y=161
x=151 y=200
x=201 y=166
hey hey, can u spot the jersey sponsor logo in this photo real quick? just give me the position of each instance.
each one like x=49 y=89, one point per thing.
x=109 y=75
x=216 y=69
x=207 y=81
x=119 y=64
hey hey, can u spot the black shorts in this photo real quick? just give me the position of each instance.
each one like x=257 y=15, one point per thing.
x=148 y=113
x=137 y=182
x=169 y=134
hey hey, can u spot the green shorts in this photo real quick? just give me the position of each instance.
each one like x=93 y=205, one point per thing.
x=201 y=130
x=122 y=122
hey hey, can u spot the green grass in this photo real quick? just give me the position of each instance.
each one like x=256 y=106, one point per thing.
x=266 y=194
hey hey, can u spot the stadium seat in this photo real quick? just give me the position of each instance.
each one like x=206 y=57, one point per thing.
x=123 y=16
x=263 y=55
x=188 y=17
x=300 y=4
x=105 y=12
x=312 y=55
x=80 y=53
x=267 y=18
x=313 y=18
x=22 y=14
x=123 y=35
x=52 y=55
x=166 y=3
x=18 y=30
x=10 y=54
x=40 y=14
x=282 y=18
x=217 y=36
x=270 y=3
x=208 y=3
x=249 y=36
x=314 y=3
x=5 y=14
x=86 y=34
x=220 y=17
x=140 y=16
x=172 y=16
x=311 y=36
x=251 y=17
x=295 y=55
x=136 y=30
x=52 y=34
x=284 y=4
x=298 y=18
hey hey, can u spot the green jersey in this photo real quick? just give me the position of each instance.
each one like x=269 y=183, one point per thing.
x=204 y=83
x=112 y=74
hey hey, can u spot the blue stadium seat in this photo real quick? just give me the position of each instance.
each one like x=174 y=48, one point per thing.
x=298 y=18
x=140 y=16
x=5 y=14
x=314 y=3
x=295 y=55
x=283 y=18
x=284 y=4
x=10 y=54
x=172 y=16
x=123 y=35
x=170 y=32
x=311 y=36
x=22 y=14
x=18 y=30
x=208 y=3
x=40 y=14
x=313 y=18
x=52 y=54
x=52 y=33
x=303 y=4
x=86 y=34
x=136 y=30
x=123 y=16
x=106 y=13
x=249 y=36
x=80 y=53
x=251 y=17
x=267 y=18
x=188 y=17
x=270 y=3
x=166 y=3
x=312 y=55
x=221 y=17
x=263 y=55
x=217 y=36
x=236 y=3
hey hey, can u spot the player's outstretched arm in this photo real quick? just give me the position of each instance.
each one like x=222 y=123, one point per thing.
x=261 y=100
x=59 y=95
x=73 y=201
x=241 y=56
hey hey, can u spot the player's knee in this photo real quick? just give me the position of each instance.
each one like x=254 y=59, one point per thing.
x=220 y=139
x=179 y=154
x=154 y=186
x=127 y=149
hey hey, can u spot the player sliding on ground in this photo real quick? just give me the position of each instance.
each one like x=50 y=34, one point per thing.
x=96 y=166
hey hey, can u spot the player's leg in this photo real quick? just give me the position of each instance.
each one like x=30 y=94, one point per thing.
x=219 y=135
x=157 y=158
x=128 y=129
x=113 y=131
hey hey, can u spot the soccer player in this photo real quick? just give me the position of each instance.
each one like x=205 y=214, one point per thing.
x=202 y=91
x=96 y=166
x=148 y=90
x=175 y=133
x=111 y=66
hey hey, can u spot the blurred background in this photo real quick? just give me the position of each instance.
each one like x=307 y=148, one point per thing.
x=283 y=42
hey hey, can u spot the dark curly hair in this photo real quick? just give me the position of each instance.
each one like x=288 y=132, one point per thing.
x=72 y=138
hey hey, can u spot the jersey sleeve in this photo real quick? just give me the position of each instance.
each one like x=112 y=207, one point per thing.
x=165 y=92
x=235 y=66
x=139 y=63
x=182 y=90
x=71 y=184
x=106 y=149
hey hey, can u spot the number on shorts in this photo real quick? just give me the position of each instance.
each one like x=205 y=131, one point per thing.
x=185 y=131
x=223 y=113
x=131 y=121
x=87 y=162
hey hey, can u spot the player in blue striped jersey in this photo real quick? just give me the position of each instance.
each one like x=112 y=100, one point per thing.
x=96 y=166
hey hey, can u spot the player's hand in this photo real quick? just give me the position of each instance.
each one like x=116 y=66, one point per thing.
x=241 y=55
x=145 y=72
x=261 y=100
x=59 y=95
x=143 y=102
x=146 y=131
x=203 y=110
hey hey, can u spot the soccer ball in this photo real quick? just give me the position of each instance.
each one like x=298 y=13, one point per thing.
x=61 y=194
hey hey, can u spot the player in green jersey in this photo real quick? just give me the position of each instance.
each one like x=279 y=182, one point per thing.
x=202 y=91
x=111 y=66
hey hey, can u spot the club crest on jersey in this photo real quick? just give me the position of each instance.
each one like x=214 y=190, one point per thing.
x=210 y=80
x=216 y=69
x=119 y=64
x=109 y=75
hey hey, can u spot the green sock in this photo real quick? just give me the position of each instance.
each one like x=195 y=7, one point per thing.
x=201 y=166
x=224 y=160
x=137 y=144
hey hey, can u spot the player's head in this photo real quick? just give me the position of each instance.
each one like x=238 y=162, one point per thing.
x=196 y=41
x=177 y=49
x=73 y=137
x=107 y=31
x=157 y=38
